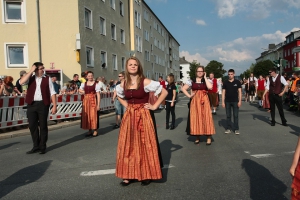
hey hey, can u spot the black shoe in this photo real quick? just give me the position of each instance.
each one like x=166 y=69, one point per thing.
x=32 y=151
x=284 y=124
x=145 y=183
x=272 y=123
x=172 y=127
x=124 y=183
x=116 y=126
x=167 y=126
x=43 y=151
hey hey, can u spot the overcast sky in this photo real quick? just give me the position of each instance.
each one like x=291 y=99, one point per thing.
x=229 y=31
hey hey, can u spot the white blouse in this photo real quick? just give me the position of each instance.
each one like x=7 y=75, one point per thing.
x=97 y=88
x=153 y=86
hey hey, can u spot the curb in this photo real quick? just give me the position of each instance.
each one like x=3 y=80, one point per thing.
x=24 y=132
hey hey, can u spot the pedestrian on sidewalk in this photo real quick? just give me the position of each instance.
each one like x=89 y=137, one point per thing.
x=120 y=109
x=138 y=152
x=40 y=93
x=200 y=121
x=170 y=101
x=90 y=105
x=252 y=87
x=276 y=91
x=232 y=101
x=213 y=93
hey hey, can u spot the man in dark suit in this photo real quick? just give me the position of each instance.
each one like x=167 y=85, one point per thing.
x=39 y=95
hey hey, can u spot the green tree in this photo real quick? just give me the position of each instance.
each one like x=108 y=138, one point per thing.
x=193 y=67
x=262 y=68
x=216 y=68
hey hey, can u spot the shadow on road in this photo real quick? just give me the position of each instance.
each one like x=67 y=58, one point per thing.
x=296 y=129
x=167 y=148
x=8 y=145
x=263 y=185
x=178 y=121
x=261 y=118
x=103 y=131
x=66 y=142
x=23 y=177
x=223 y=123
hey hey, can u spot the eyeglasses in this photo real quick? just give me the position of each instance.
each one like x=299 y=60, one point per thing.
x=42 y=68
x=199 y=71
x=120 y=76
x=270 y=72
x=230 y=74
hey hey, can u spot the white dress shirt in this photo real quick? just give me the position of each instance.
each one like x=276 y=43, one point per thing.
x=282 y=80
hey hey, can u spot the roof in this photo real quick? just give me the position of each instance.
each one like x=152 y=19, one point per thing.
x=183 y=61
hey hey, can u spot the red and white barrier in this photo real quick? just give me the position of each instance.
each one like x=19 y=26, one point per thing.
x=13 y=109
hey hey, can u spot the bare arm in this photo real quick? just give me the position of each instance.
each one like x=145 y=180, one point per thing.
x=296 y=158
x=223 y=97
x=123 y=102
x=240 y=97
x=208 y=83
x=26 y=77
x=98 y=100
x=184 y=90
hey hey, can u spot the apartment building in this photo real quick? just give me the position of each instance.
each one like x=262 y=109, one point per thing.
x=80 y=35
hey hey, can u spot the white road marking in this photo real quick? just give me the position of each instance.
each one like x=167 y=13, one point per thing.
x=110 y=171
x=248 y=152
x=262 y=155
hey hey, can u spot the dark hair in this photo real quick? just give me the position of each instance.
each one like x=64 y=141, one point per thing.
x=83 y=74
x=273 y=69
x=171 y=76
x=123 y=73
x=89 y=72
x=231 y=70
x=75 y=75
x=37 y=64
x=160 y=77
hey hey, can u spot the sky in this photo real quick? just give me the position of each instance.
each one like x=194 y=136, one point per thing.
x=232 y=32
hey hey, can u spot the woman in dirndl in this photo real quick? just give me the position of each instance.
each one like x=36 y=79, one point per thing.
x=90 y=105
x=266 y=102
x=138 y=152
x=295 y=172
x=200 y=121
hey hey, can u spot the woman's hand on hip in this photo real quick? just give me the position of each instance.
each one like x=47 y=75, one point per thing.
x=149 y=106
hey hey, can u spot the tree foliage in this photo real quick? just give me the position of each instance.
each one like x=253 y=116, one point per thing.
x=262 y=68
x=216 y=68
x=193 y=67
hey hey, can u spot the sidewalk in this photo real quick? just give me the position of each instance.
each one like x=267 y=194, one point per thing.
x=51 y=126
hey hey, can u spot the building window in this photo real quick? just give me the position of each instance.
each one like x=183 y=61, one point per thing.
x=113 y=4
x=114 y=62
x=137 y=19
x=146 y=15
x=89 y=56
x=103 y=59
x=123 y=63
x=138 y=43
x=16 y=55
x=88 y=18
x=113 y=32
x=121 y=8
x=102 y=26
x=122 y=36
x=147 y=55
x=146 y=35
x=14 y=11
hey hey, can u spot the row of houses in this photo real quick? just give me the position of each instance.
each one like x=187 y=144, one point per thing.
x=287 y=50
x=79 y=35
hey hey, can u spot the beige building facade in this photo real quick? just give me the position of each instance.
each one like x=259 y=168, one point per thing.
x=80 y=35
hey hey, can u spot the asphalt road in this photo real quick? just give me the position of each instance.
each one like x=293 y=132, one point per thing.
x=252 y=165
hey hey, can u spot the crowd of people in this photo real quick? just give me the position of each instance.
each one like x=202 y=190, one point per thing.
x=137 y=97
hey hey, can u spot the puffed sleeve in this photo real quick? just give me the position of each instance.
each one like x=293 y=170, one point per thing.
x=153 y=86
x=120 y=91
x=82 y=86
x=97 y=88
x=189 y=83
